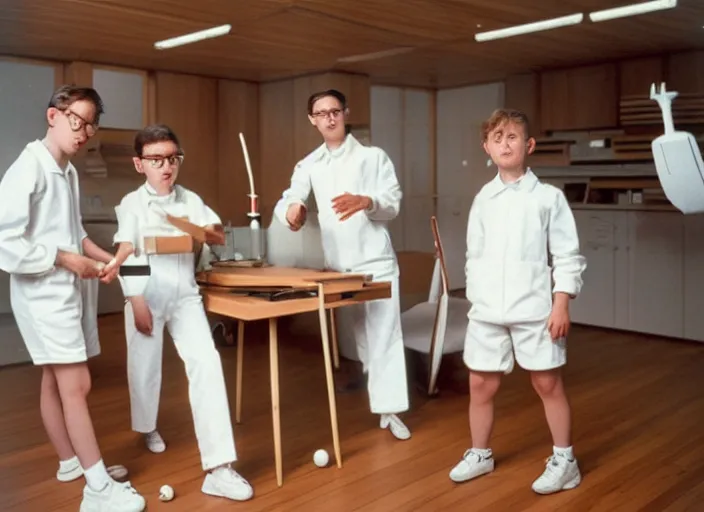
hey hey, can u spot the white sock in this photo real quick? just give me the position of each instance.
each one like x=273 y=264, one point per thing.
x=97 y=476
x=564 y=452
x=484 y=453
x=68 y=464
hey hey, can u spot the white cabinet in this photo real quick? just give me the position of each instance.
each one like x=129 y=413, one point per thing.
x=694 y=277
x=596 y=304
x=124 y=98
x=461 y=165
x=644 y=272
x=401 y=124
x=655 y=272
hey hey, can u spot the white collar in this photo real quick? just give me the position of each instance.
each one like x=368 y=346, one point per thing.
x=46 y=159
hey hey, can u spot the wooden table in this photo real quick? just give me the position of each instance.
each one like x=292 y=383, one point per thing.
x=247 y=294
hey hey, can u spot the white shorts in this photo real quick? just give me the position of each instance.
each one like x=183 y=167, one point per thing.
x=63 y=334
x=492 y=347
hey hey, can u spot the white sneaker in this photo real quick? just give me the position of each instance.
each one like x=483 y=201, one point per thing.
x=69 y=474
x=225 y=482
x=115 y=497
x=471 y=466
x=155 y=442
x=560 y=474
x=117 y=472
x=397 y=427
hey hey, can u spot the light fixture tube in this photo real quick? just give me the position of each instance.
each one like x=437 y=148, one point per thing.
x=193 y=37
x=537 y=26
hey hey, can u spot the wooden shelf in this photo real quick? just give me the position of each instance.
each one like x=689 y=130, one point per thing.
x=621 y=207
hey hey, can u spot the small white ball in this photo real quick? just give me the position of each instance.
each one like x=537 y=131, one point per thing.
x=321 y=458
x=166 y=493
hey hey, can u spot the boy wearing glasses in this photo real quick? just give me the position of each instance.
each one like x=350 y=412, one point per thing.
x=170 y=298
x=357 y=194
x=53 y=268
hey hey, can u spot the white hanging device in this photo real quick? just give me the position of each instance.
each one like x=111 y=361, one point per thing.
x=254 y=225
x=678 y=159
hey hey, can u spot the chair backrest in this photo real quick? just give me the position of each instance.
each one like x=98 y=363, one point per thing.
x=437 y=339
x=441 y=281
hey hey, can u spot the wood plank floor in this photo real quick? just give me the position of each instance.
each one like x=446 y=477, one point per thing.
x=638 y=409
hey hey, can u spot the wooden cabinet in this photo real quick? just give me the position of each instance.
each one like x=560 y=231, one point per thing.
x=523 y=93
x=685 y=72
x=637 y=75
x=581 y=98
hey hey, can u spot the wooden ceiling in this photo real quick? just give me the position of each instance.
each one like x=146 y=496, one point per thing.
x=275 y=39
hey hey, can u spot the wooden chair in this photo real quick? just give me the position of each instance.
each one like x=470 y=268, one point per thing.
x=436 y=327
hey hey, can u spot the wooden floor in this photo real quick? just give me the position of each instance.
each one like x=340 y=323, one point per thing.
x=638 y=411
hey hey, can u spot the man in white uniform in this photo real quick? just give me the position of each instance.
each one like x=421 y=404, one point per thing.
x=53 y=289
x=357 y=194
x=169 y=297
x=516 y=224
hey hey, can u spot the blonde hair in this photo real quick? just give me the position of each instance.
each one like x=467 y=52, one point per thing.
x=502 y=116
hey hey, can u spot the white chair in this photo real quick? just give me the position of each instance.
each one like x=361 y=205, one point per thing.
x=436 y=327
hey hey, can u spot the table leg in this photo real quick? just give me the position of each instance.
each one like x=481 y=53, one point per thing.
x=333 y=330
x=240 y=364
x=328 y=375
x=275 y=413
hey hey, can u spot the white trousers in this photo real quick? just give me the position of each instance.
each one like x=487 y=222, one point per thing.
x=189 y=328
x=377 y=342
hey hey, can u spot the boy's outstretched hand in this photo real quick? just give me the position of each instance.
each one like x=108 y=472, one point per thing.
x=559 y=321
x=348 y=204
x=296 y=216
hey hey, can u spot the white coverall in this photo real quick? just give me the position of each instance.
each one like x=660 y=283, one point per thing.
x=360 y=244
x=175 y=303
x=513 y=232
x=55 y=310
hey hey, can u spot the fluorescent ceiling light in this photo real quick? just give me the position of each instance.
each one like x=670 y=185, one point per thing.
x=563 y=21
x=193 y=37
x=632 y=10
x=375 y=55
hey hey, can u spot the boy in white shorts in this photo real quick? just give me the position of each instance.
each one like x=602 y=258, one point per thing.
x=516 y=224
x=53 y=267
x=169 y=297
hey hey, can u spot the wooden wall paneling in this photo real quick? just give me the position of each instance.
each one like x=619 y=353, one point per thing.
x=188 y=104
x=238 y=107
x=79 y=73
x=636 y=75
x=523 y=93
x=581 y=98
x=685 y=72
x=306 y=136
x=276 y=143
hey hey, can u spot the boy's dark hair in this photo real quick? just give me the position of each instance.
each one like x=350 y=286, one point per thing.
x=322 y=94
x=152 y=134
x=67 y=95
x=505 y=115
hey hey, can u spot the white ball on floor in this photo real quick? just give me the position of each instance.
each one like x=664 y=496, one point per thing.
x=166 y=493
x=321 y=458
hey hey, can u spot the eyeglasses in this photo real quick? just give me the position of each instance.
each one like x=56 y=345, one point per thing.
x=335 y=113
x=158 y=161
x=77 y=123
